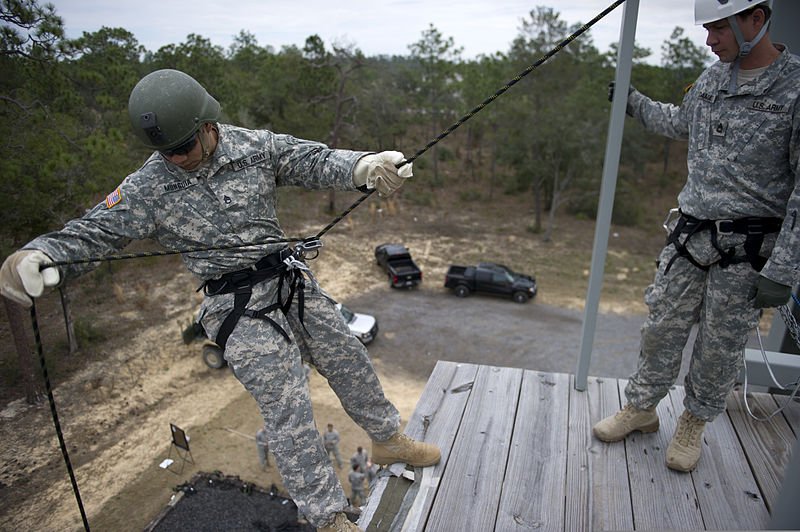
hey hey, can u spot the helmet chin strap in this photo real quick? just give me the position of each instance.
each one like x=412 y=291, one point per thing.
x=203 y=145
x=745 y=47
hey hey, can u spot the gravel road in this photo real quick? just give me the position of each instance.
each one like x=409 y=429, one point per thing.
x=420 y=326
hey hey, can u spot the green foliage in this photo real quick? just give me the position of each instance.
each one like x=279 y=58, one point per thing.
x=30 y=30
x=418 y=195
x=445 y=154
x=469 y=195
x=87 y=334
x=627 y=204
x=437 y=58
x=535 y=229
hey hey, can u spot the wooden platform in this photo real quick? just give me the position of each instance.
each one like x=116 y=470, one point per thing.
x=518 y=454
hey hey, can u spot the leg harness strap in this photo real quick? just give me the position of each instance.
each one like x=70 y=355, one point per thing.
x=753 y=227
x=241 y=282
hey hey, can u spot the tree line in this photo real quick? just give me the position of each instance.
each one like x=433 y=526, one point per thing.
x=68 y=142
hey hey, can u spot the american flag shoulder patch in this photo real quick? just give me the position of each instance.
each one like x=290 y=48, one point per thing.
x=113 y=198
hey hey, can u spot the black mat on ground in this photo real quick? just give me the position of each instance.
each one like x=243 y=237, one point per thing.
x=214 y=502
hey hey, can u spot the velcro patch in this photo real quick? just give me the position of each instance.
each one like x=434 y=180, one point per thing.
x=249 y=160
x=770 y=107
x=113 y=198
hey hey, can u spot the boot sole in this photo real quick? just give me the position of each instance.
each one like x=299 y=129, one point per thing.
x=388 y=461
x=646 y=429
x=676 y=467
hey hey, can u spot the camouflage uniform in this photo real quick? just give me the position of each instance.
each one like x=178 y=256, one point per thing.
x=360 y=459
x=357 y=496
x=231 y=199
x=262 y=445
x=330 y=439
x=742 y=162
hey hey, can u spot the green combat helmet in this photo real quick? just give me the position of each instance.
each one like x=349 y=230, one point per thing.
x=167 y=107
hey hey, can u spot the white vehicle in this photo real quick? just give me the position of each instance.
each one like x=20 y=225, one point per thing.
x=363 y=326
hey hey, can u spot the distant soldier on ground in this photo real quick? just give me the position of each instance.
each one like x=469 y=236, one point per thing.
x=356 y=478
x=263 y=447
x=330 y=439
x=360 y=457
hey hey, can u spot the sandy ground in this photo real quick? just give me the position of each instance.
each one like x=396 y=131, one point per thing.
x=115 y=412
x=115 y=418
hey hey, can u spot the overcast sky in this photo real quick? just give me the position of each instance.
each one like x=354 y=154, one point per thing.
x=376 y=27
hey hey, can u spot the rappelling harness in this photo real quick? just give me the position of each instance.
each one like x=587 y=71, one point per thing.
x=287 y=265
x=754 y=228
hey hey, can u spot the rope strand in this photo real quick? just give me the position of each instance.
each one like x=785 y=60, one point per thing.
x=52 y=401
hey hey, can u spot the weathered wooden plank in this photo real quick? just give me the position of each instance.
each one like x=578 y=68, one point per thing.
x=662 y=499
x=726 y=489
x=598 y=495
x=441 y=413
x=767 y=444
x=791 y=412
x=471 y=484
x=435 y=419
x=533 y=490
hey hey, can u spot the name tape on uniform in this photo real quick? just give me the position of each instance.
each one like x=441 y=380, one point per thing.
x=249 y=160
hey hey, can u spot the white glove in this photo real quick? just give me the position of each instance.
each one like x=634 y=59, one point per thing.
x=379 y=171
x=21 y=279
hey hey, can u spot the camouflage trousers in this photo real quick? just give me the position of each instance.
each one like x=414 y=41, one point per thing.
x=357 y=496
x=720 y=302
x=271 y=369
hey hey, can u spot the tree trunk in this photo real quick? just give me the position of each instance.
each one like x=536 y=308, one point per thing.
x=552 y=213
x=492 y=166
x=435 y=146
x=332 y=200
x=68 y=321
x=468 y=159
x=16 y=320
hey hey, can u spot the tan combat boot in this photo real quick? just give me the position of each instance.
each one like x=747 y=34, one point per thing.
x=683 y=452
x=630 y=418
x=340 y=523
x=401 y=448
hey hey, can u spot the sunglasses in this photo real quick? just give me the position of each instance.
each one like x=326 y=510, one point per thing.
x=183 y=149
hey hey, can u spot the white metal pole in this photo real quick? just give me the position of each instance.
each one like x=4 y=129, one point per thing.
x=610 y=168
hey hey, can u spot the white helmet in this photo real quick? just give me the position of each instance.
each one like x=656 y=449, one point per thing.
x=710 y=10
x=706 y=11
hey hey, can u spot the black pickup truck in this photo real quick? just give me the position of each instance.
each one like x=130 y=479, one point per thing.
x=490 y=278
x=398 y=264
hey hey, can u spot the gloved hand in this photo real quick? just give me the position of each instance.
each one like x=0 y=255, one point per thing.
x=770 y=294
x=21 y=279
x=611 y=86
x=379 y=171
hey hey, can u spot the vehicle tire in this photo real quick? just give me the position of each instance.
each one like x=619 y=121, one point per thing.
x=520 y=297
x=212 y=356
x=461 y=291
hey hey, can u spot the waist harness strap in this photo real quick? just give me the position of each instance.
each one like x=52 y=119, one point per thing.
x=753 y=227
x=241 y=283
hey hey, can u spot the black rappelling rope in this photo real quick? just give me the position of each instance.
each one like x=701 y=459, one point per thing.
x=52 y=402
x=327 y=228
